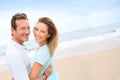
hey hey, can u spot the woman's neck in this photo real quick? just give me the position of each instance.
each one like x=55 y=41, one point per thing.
x=43 y=43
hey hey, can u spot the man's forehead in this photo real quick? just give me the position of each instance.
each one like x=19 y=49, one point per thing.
x=22 y=22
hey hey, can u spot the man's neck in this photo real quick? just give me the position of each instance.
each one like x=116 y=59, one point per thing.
x=19 y=42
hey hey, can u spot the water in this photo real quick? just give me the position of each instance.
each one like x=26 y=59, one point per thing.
x=72 y=35
x=89 y=32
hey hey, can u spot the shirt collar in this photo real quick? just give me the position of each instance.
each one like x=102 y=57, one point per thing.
x=18 y=45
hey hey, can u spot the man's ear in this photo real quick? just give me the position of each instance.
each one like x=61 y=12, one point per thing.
x=12 y=30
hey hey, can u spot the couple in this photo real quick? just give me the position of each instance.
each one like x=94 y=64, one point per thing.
x=17 y=59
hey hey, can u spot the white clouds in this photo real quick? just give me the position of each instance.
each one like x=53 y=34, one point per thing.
x=71 y=15
x=4 y=29
x=67 y=21
x=104 y=17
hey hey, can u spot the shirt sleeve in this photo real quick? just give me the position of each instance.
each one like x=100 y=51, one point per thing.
x=17 y=67
x=42 y=55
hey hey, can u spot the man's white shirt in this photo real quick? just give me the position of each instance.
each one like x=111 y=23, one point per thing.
x=18 y=61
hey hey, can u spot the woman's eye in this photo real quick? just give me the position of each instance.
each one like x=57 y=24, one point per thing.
x=43 y=31
x=35 y=29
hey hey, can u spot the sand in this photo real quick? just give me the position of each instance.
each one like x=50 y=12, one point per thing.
x=100 y=65
x=5 y=75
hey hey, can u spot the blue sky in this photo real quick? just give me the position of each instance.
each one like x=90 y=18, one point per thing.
x=67 y=14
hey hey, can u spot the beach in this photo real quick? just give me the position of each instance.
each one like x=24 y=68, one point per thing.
x=92 y=58
x=5 y=75
x=100 y=65
x=95 y=58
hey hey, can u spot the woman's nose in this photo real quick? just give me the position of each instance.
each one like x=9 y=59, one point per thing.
x=38 y=33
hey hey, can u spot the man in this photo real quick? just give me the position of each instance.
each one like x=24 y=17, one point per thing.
x=16 y=54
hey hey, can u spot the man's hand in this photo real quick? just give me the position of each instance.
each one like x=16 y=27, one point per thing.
x=44 y=77
x=48 y=71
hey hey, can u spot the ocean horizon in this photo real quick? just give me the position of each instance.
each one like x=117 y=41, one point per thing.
x=72 y=35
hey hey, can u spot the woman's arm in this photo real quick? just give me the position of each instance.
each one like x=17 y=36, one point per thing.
x=36 y=68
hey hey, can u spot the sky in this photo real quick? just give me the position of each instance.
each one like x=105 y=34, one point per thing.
x=67 y=15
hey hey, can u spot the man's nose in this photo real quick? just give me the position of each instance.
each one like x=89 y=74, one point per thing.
x=27 y=31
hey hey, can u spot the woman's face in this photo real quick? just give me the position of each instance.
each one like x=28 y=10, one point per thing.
x=41 y=33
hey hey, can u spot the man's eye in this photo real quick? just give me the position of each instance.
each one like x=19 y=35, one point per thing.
x=23 y=28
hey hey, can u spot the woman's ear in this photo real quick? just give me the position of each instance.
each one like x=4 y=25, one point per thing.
x=48 y=36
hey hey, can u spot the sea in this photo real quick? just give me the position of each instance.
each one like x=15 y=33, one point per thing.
x=72 y=35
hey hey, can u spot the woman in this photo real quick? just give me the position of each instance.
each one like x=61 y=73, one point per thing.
x=46 y=36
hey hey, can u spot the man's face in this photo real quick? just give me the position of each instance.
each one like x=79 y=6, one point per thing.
x=22 y=31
